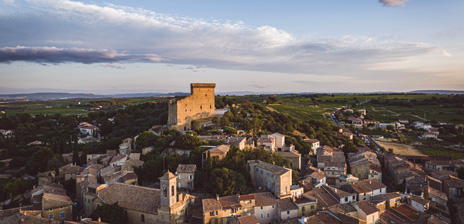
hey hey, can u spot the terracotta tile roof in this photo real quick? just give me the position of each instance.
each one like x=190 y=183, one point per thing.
x=318 y=175
x=454 y=182
x=186 y=168
x=323 y=218
x=134 y=162
x=311 y=140
x=246 y=197
x=276 y=170
x=406 y=211
x=59 y=200
x=443 y=173
x=389 y=217
x=132 y=197
x=323 y=198
x=288 y=154
x=286 y=204
x=367 y=185
x=219 y=149
x=249 y=219
x=337 y=192
x=264 y=199
x=267 y=139
x=342 y=208
x=129 y=176
x=367 y=207
x=117 y=158
x=419 y=200
x=211 y=204
x=229 y=201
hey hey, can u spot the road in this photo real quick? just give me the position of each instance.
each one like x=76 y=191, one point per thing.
x=334 y=119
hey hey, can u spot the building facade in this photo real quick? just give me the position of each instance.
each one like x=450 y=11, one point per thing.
x=276 y=179
x=199 y=105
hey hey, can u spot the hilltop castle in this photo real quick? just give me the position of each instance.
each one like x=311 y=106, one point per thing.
x=199 y=105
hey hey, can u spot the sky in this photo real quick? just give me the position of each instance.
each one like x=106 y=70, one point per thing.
x=135 y=46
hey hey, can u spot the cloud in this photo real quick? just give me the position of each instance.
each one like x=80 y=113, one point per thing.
x=114 y=66
x=261 y=86
x=186 y=41
x=391 y=3
x=447 y=54
x=54 y=55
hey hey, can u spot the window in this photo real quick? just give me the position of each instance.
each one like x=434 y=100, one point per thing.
x=62 y=215
x=367 y=170
x=50 y=216
x=179 y=177
x=210 y=107
x=172 y=190
x=142 y=217
x=88 y=201
x=206 y=94
x=165 y=191
x=303 y=209
x=201 y=107
x=356 y=170
x=191 y=177
x=268 y=215
x=288 y=212
x=346 y=199
x=261 y=208
x=262 y=216
x=312 y=206
x=380 y=190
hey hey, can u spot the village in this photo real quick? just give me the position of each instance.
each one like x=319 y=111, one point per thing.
x=317 y=184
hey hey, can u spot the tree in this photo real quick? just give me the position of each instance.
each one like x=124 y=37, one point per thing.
x=146 y=139
x=195 y=125
x=187 y=141
x=40 y=158
x=223 y=182
x=460 y=172
x=113 y=214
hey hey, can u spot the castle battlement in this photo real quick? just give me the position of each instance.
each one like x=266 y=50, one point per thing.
x=199 y=105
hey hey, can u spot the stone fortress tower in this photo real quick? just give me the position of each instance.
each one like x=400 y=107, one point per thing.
x=199 y=105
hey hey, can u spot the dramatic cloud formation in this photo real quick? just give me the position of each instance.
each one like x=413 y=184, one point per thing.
x=55 y=55
x=391 y=3
x=143 y=35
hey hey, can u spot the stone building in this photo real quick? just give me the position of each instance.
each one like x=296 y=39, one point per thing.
x=164 y=205
x=186 y=175
x=199 y=105
x=222 y=210
x=274 y=178
x=57 y=207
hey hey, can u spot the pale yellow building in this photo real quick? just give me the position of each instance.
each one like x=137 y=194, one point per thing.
x=199 y=105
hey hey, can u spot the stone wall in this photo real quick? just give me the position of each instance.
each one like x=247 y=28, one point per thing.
x=199 y=105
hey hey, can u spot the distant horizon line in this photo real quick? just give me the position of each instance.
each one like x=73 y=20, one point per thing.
x=233 y=92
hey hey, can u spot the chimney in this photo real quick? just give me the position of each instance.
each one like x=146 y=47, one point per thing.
x=217 y=197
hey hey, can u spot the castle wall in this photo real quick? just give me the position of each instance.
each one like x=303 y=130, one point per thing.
x=199 y=105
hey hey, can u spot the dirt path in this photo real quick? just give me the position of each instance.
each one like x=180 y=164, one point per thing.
x=272 y=109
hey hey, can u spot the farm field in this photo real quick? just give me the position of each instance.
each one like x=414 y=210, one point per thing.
x=401 y=149
x=304 y=113
x=68 y=107
x=416 y=113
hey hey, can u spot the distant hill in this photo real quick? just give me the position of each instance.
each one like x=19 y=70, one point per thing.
x=438 y=91
x=66 y=96
x=47 y=96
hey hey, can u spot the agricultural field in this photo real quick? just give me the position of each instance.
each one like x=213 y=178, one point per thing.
x=70 y=107
x=401 y=149
x=301 y=112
